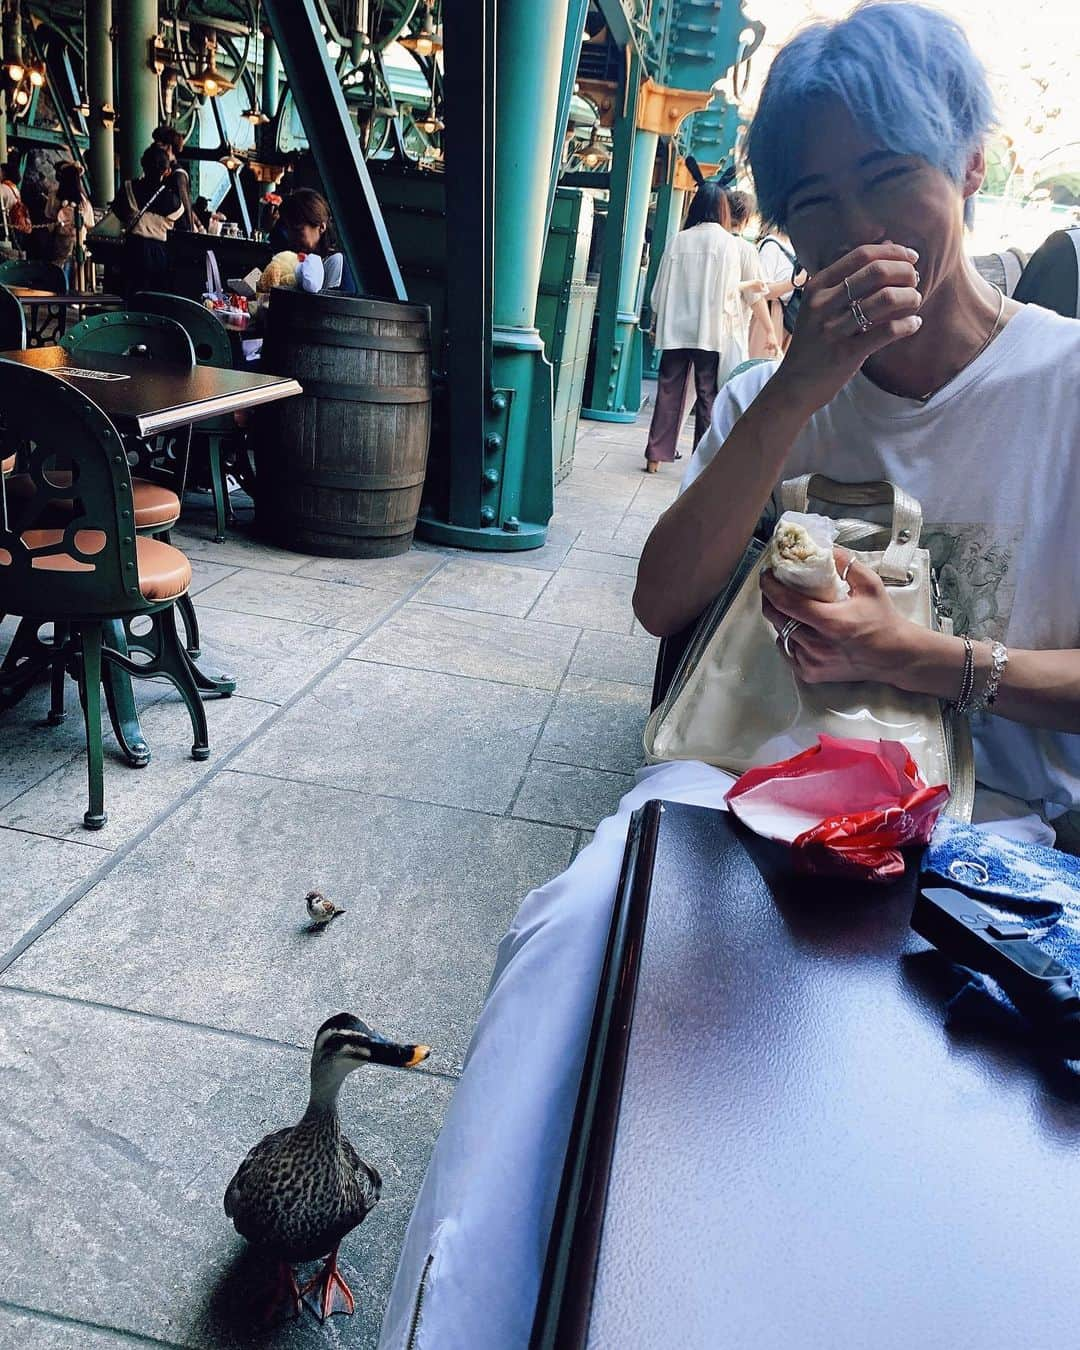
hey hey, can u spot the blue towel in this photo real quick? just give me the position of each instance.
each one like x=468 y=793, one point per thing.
x=1028 y=883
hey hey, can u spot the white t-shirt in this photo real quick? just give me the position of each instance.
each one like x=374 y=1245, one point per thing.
x=994 y=458
x=776 y=265
x=696 y=300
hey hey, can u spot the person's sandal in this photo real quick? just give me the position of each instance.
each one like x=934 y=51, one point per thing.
x=652 y=466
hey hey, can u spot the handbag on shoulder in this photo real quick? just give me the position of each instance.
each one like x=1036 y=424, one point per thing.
x=736 y=703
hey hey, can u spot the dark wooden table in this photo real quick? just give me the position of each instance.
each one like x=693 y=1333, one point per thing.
x=779 y=1143
x=151 y=397
x=45 y=308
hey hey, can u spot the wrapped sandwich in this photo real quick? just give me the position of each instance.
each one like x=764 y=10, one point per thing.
x=800 y=555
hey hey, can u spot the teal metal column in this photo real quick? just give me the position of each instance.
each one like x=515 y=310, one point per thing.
x=666 y=221
x=137 y=116
x=101 y=159
x=615 y=393
x=271 y=76
x=509 y=503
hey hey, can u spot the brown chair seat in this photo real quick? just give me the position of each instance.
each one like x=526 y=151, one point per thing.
x=156 y=507
x=164 y=572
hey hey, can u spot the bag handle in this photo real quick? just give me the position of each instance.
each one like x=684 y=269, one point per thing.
x=213 y=273
x=906 y=527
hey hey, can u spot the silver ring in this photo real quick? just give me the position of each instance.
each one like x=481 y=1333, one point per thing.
x=860 y=318
x=786 y=632
x=847 y=288
x=847 y=569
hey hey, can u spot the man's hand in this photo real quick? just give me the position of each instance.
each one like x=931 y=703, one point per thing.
x=860 y=638
x=828 y=346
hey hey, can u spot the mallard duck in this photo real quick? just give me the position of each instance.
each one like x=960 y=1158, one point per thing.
x=301 y=1190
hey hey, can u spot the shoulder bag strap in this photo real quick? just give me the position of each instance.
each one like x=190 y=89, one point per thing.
x=795 y=494
x=140 y=211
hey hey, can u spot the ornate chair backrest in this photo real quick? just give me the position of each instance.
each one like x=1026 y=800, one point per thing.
x=12 y=322
x=126 y=334
x=208 y=334
x=88 y=566
x=41 y=276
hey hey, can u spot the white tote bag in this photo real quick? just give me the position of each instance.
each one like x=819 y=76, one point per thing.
x=736 y=703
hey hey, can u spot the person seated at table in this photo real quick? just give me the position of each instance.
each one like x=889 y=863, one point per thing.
x=148 y=208
x=867 y=148
x=308 y=228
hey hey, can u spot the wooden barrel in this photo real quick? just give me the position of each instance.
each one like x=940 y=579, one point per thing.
x=342 y=467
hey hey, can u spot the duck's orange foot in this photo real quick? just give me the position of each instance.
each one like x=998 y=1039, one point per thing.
x=335 y=1296
x=282 y=1299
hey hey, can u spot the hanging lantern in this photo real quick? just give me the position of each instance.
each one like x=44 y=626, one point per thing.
x=426 y=42
x=209 y=80
x=429 y=124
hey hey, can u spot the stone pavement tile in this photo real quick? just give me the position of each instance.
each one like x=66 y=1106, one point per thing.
x=493 y=588
x=592 y=485
x=298 y=599
x=133 y=797
x=574 y=515
x=42 y=1331
x=587 y=600
x=630 y=434
x=587 y=453
x=38 y=873
x=626 y=537
x=596 y=724
x=549 y=556
x=563 y=794
x=585 y=560
x=398 y=574
x=30 y=750
x=270 y=659
x=195 y=536
x=205 y=573
x=627 y=659
x=429 y=892
x=406 y=733
x=655 y=494
x=466 y=642
x=120 y=1134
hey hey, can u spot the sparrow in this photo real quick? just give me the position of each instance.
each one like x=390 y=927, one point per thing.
x=320 y=910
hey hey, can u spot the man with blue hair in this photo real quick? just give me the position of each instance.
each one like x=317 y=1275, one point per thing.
x=866 y=150
x=905 y=365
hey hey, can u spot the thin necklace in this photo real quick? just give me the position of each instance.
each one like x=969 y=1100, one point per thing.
x=925 y=398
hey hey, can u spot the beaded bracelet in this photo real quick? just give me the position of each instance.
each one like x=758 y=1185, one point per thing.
x=999 y=659
x=967 y=680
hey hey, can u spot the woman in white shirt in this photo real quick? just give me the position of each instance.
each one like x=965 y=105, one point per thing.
x=697 y=306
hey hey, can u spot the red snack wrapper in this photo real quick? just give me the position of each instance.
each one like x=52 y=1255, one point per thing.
x=846 y=807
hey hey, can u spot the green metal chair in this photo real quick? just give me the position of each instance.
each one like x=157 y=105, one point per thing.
x=210 y=339
x=126 y=333
x=12 y=322
x=41 y=276
x=123 y=333
x=92 y=574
